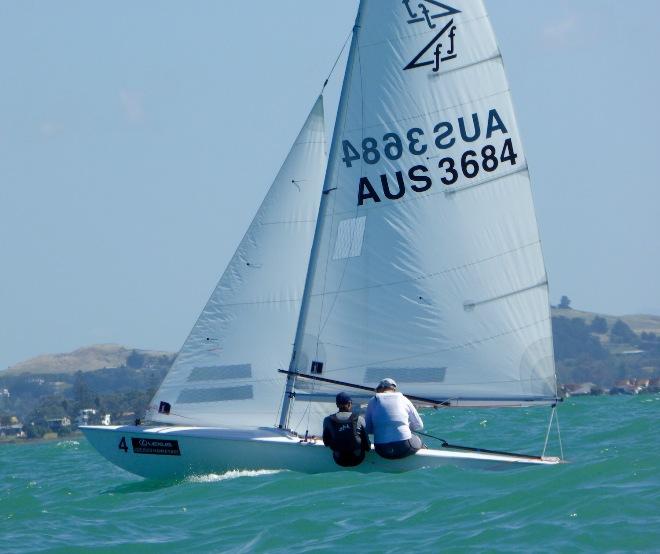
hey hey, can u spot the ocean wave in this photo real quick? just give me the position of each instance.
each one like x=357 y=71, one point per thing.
x=232 y=474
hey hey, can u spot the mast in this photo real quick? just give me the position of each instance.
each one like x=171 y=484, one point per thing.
x=327 y=190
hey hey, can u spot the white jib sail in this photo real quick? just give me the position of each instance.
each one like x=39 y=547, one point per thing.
x=226 y=372
x=427 y=263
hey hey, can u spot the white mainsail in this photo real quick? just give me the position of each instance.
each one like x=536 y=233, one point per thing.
x=427 y=263
x=225 y=374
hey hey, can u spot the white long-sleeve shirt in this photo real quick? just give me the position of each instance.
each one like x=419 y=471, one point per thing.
x=390 y=417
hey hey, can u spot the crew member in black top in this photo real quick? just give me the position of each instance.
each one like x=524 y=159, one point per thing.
x=345 y=433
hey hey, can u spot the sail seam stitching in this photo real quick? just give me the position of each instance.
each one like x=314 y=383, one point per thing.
x=287 y=221
x=426 y=196
x=309 y=142
x=435 y=274
x=434 y=112
x=415 y=35
x=449 y=349
x=467 y=186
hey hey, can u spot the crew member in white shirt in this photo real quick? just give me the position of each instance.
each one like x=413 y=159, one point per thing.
x=391 y=418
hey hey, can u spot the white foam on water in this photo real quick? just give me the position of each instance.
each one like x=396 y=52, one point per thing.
x=233 y=474
x=68 y=444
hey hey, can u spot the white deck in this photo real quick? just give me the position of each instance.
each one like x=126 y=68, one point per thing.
x=203 y=450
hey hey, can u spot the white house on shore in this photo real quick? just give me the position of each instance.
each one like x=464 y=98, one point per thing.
x=89 y=416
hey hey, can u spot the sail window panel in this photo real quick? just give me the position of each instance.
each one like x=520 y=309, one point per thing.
x=307 y=385
x=218 y=373
x=220 y=394
x=350 y=236
x=406 y=374
x=329 y=398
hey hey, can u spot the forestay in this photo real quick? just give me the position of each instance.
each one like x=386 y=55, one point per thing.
x=225 y=374
x=427 y=263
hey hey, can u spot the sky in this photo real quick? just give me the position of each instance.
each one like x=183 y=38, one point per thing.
x=137 y=140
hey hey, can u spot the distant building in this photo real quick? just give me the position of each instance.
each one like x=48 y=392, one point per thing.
x=4 y=398
x=58 y=387
x=582 y=389
x=631 y=386
x=86 y=416
x=13 y=429
x=58 y=424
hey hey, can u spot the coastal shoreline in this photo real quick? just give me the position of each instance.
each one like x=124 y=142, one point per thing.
x=75 y=435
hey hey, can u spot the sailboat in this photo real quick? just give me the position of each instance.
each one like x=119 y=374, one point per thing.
x=410 y=251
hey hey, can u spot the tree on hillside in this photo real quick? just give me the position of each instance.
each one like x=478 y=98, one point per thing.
x=564 y=303
x=135 y=360
x=574 y=340
x=50 y=407
x=622 y=333
x=598 y=325
x=82 y=394
x=651 y=345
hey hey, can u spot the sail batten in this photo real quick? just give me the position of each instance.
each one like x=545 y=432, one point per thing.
x=483 y=382
x=432 y=275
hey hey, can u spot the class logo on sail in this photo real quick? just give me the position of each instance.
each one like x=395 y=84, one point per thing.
x=431 y=14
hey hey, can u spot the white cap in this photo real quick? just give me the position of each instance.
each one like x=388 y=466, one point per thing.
x=387 y=383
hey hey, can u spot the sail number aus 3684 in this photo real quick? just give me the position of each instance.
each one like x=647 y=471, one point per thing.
x=470 y=165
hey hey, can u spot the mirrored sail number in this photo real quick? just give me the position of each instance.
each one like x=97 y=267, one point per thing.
x=446 y=135
x=471 y=163
x=393 y=148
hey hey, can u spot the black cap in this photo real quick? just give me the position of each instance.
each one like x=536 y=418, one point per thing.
x=342 y=399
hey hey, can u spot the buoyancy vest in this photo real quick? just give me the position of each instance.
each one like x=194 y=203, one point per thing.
x=346 y=440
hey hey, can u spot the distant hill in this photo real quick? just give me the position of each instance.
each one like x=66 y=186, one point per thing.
x=582 y=353
x=640 y=323
x=89 y=358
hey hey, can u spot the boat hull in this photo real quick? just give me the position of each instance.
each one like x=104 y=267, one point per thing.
x=177 y=452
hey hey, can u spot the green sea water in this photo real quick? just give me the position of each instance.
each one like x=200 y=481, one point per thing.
x=62 y=496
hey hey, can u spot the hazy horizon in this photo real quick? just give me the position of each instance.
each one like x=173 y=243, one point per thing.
x=136 y=144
